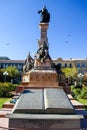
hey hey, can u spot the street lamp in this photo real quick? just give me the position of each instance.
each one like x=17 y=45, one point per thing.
x=5 y=74
x=80 y=75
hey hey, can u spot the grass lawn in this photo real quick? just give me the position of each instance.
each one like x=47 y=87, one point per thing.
x=83 y=101
x=3 y=100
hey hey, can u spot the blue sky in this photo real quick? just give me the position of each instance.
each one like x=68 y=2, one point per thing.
x=19 y=28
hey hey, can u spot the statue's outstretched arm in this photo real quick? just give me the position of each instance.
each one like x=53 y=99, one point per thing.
x=39 y=11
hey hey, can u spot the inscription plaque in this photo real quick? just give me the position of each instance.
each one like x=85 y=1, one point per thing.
x=44 y=124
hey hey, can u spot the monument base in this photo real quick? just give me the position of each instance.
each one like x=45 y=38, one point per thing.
x=37 y=84
x=44 y=122
x=44 y=109
x=40 y=79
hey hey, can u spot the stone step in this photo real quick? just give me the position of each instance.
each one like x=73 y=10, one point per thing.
x=7 y=105
x=4 y=111
x=77 y=105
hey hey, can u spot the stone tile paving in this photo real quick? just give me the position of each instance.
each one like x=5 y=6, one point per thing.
x=3 y=123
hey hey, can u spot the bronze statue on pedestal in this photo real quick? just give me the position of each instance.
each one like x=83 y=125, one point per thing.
x=45 y=15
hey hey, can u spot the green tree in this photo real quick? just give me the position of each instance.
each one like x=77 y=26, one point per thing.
x=13 y=73
x=70 y=72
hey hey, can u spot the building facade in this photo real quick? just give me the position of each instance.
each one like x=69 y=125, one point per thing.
x=5 y=62
x=80 y=64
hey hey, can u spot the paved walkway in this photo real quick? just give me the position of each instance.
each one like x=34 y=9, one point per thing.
x=3 y=123
x=3 y=120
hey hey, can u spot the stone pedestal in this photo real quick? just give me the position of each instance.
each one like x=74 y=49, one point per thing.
x=40 y=79
x=43 y=38
x=44 y=122
x=43 y=65
x=42 y=75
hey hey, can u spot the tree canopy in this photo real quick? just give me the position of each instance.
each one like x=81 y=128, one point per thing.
x=70 y=72
x=12 y=71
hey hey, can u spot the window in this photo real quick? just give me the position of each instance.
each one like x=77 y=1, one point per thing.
x=83 y=65
x=2 y=66
x=78 y=65
x=70 y=65
x=65 y=65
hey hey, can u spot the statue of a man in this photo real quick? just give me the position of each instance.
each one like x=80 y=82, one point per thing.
x=45 y=16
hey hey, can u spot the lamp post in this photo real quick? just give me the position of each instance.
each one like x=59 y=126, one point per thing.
x=5 y=74
x=80 y=75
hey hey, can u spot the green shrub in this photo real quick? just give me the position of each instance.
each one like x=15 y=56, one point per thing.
x=78 y=92
x=72 y=87
x=6 y=88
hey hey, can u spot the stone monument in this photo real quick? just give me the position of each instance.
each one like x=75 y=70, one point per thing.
x=44 y=106
x=40 y=72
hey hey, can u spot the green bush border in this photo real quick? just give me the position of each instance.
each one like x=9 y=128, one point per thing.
x=6 y=88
